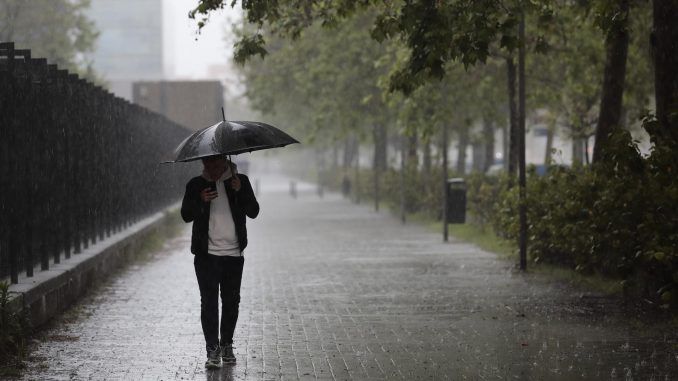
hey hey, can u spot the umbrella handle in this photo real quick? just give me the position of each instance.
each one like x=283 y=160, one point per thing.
x=234 y=170
x=234 y=174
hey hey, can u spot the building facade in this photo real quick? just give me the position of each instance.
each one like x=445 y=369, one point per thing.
x=193 y=104
x=130 y=44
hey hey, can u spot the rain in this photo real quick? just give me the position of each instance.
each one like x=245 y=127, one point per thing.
x=247 y=190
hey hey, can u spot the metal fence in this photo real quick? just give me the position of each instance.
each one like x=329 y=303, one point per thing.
x=76 y=163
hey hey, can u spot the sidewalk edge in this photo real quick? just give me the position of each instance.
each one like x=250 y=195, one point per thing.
x=49 y=293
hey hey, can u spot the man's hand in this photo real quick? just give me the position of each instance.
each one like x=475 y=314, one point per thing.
x=235 y=183
x=208 y=194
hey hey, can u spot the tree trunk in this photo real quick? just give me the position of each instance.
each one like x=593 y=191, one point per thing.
x=477 y=155
x=505 y=146
x=380 y=136
x=549 y=144
x=616 y=47
x=443 y=150
x=513 y=118
x=412 y=151
x=335 y=156
x=347 y=157
x=461 y=154
x=665 y=49
x=522 y=180
x=350 y=144
x=577 y=151
x=379 y=163
x=488 y=137
x=356 y=188
x=403 y=155
x=427 y=155
x=320 y=162
x=377 y=189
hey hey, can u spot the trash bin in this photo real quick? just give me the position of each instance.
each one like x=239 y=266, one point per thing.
x=456 y=201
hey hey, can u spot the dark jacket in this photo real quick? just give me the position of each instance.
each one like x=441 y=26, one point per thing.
x=242 y=203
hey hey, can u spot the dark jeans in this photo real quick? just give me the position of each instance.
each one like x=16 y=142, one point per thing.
x=213 y=272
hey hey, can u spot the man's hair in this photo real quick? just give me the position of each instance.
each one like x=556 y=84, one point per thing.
x=213 y=157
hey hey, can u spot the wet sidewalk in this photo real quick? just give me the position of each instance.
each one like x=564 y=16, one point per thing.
x=333 y=290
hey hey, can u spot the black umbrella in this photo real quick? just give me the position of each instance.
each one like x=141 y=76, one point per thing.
x=230 y=138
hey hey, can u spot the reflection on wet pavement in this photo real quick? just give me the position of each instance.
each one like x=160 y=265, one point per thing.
x=334 y=290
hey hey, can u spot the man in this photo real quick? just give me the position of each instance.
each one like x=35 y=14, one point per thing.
x=217 y=203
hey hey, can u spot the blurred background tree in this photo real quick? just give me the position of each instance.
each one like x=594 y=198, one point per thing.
x=54 y=29
x=587 y=73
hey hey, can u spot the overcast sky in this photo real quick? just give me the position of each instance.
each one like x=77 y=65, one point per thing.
x=189 y=55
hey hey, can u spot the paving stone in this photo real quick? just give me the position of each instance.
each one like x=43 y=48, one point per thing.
x=335 y=291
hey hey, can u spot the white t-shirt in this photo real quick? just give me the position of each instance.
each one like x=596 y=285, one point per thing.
x=222 y=240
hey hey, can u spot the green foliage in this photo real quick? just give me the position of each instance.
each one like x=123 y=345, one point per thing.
x=55 y=29
x=422 y=191
x=249 y=46
x=435 y=32
x=567 y=79
x=325 y=84
x=484 y=238
x=618 y=218
x=13 y=331
x=482 y=193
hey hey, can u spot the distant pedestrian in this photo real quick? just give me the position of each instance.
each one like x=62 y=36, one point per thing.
x=217 y=203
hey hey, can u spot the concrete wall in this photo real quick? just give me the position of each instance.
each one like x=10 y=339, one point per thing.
x=50 y=292
x=193 y=104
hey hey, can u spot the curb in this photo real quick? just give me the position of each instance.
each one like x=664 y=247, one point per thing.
x=50 y=292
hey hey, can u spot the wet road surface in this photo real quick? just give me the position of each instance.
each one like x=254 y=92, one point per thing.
x=333 y=290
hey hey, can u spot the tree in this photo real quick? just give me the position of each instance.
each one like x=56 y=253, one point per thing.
x=567 y=76
x=327 y=85
x=615 y=25
x=665 y=52
x=54 y=29
x=435 y=32
x=491 y=102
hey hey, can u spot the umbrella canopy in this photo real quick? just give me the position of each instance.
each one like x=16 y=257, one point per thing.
x=230 y=138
